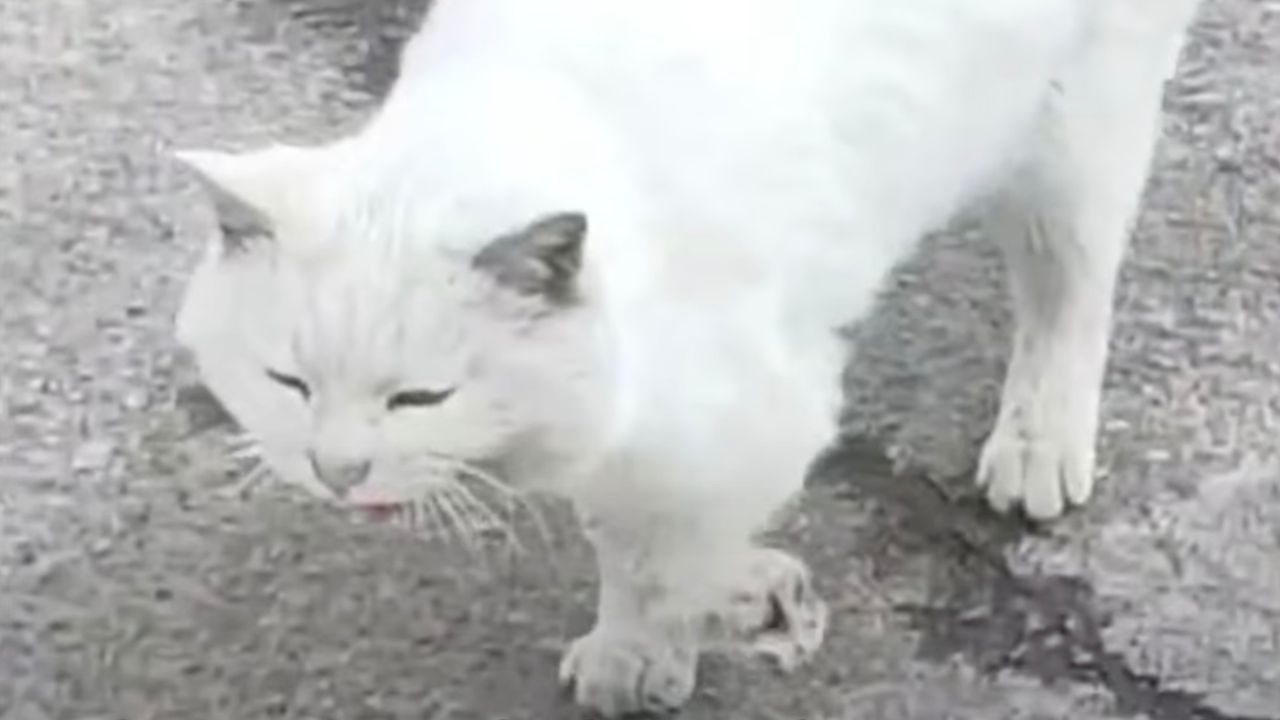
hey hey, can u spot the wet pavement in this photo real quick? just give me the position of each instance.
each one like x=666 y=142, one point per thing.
x=132 y=589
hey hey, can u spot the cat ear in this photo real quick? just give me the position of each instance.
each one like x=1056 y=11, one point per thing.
x=254 y=193
x=541 y=259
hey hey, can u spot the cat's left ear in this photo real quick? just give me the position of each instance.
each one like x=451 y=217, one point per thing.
x=542 y=259
x=259 y=193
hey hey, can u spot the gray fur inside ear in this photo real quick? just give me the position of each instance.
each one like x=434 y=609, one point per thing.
x=241 y=188
x=240 y=223
x=541 y=259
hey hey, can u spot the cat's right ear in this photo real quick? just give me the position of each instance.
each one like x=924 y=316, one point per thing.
x=254 y=193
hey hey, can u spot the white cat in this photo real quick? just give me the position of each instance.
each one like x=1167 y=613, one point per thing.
x=599 y=249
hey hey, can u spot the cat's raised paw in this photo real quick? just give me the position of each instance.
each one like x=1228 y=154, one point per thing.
x=616 y=675
x=1043 y=472
x=776 y=612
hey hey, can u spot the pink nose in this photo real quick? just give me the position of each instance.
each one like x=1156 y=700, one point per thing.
x=340 y=476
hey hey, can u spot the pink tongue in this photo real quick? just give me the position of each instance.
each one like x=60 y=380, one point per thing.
x=380 y=511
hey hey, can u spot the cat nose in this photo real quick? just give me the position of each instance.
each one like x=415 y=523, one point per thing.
x=340 y=476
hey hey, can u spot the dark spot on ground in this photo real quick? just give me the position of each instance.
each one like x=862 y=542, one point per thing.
x=1044 y=627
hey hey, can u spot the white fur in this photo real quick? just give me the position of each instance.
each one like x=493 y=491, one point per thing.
x=751 y=170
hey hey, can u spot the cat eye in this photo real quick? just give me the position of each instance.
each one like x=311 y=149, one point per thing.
x=418 y=398
x=293 y=383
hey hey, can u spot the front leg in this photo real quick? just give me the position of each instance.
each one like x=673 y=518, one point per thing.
x=668 y=592
x=642 y=654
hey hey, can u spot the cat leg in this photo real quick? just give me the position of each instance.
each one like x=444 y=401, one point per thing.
x=1063 y=227
x=641 y=655
x=666 y=594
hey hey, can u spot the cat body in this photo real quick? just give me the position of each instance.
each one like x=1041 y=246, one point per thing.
x=601 y=250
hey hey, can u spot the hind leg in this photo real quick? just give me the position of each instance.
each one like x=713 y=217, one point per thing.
x=1063 y=227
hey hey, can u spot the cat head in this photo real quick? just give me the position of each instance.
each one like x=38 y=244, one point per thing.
x=375 y=344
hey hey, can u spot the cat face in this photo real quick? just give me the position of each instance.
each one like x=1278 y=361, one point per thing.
x=372 y=365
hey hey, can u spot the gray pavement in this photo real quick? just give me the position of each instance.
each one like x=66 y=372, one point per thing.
x=131 y=589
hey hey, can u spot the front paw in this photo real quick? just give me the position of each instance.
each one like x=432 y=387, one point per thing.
x=1043 y=468
x=616 y=674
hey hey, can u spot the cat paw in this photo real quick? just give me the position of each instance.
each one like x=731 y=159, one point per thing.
x=1043 y=472
x=615 y=675
x=776 y=612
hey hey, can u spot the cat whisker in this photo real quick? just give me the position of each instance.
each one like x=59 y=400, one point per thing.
x=254 y=472
x=482 y=518
x=458 y=472
x=463 y=524
x=243 y=446
x=485 y=477
x=426 y=511
x=436 y=519
x=453 y=508
x=514 y=497
x=540 y=525
x=492 y=519
x=441 y=521
x=447 y=520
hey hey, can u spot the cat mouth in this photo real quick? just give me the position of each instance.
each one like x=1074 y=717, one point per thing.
x=381 y=511
x=382 y=507
x=393 y=513
x=449 y=493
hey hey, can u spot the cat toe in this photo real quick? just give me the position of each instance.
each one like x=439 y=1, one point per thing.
x=1044 y=474
x=776 y=612
x=615 y=676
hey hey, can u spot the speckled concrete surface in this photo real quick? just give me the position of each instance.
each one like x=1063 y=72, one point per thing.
x=131 y=589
